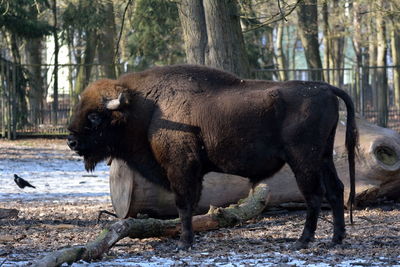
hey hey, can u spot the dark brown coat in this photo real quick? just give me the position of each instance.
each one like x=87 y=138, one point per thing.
x=176 y=123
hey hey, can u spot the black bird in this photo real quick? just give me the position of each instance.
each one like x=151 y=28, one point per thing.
x=21 y=182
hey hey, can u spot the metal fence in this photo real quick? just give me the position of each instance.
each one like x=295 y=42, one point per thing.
x=20 y=115
x=28 y=104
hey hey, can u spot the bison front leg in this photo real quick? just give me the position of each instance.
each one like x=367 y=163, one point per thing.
x=185 y=211
x=186 y=186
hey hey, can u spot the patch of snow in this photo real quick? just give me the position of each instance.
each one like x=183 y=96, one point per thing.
x=54 y=179
x=235 y=259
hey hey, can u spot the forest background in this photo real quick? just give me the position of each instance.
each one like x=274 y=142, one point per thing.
x=51 y=49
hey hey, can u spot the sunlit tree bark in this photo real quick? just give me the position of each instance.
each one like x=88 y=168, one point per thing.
x=381 y=68
x=225 y=44
x=191 y=15
x=307 y=14
x=395 y=46
x=226 y=48
x=280 y=57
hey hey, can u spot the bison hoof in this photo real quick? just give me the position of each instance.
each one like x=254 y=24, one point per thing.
x=184 y=245
x=331 y=245
x=300 y=245
x=336 y=242
x=338 y=239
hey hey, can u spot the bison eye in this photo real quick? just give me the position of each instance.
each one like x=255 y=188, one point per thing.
x=94 y=119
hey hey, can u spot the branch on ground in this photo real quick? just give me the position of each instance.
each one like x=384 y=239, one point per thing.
x=216 y=218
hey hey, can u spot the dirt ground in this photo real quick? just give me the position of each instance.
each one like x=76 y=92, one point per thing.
x=42 y=227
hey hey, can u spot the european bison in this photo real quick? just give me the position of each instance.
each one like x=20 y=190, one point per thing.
x=176 y=123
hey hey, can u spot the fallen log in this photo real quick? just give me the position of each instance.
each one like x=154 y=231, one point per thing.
x=216 y=218
x=377 y=176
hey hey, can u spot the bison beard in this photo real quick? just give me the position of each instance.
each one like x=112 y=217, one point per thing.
x=91 y=158
x=91 y=162
x=176 y=123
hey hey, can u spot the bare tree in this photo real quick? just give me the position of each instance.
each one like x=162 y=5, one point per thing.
x=280 y=57
x=382 y=78
x=226 y=48
x=106 y=43
x=35 y=87
x=191 y=14
x=307 y=14
x=225 y=44
x=326 y=43
x=395 y=45
x=372 y=51
x=336 y=46
x=55 y=73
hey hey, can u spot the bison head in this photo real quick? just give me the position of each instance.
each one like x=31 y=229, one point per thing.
x=97 y=121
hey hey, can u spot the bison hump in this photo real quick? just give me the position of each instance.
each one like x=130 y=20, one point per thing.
x=180 y=78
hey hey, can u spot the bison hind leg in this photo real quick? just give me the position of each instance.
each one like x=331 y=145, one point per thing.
x=309 y=183
x=334 y=188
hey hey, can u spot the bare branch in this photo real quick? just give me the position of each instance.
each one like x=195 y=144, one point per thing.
x=281 y=15
x=122 y=28
x=281 y=11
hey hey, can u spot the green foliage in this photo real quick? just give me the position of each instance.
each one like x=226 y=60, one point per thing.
x=20 y=17
x=156 y=37
x=84 y=15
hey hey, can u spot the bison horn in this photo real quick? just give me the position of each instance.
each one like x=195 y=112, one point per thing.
x=114 y=104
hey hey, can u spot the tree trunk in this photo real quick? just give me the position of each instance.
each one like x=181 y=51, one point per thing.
x=70 y=71
x=307 y=14
x=35 y=90
x=55 y=74
x=191 y=15
x=123 y=54
x=372 y=52
x=106 y=42
x=213 y=35
x=358 y=49
x=336 y=45
x=280 y=57
x=86 y=64
x=395 y=46
x=326 y=41
x=381 y=69
x=267 y=58
x=17 y=105
x=3 y=98
x=294 y=54
x=226 y=48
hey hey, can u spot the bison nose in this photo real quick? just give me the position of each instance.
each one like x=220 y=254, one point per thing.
x=72 y=142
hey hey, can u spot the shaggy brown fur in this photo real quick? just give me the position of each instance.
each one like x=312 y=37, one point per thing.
x=176 y=123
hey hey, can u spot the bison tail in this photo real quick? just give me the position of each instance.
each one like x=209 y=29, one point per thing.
x=351 y=144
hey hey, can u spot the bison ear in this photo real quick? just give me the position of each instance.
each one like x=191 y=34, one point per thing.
x=118 y=103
